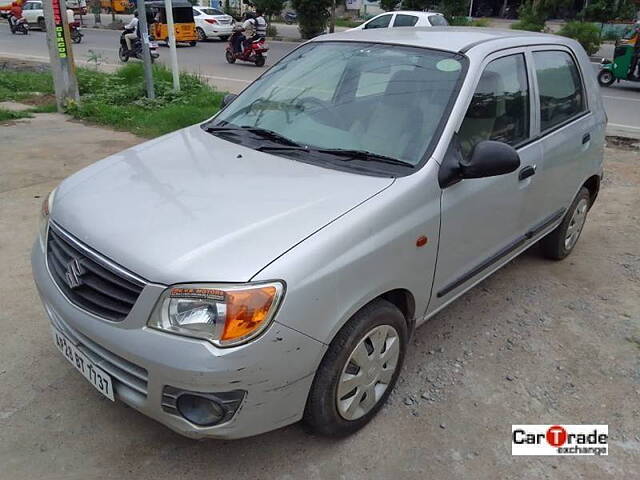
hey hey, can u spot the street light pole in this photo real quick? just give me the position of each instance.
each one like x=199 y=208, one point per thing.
x=146 y=56
x=173 y=54
x=60 y=54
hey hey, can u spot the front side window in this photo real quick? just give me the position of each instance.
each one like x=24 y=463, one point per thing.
x=405 y=20
x=438 y=21
x=380 y=22
x=384 y=99
x=196 y=13
x=499 y=109
x=560 y=88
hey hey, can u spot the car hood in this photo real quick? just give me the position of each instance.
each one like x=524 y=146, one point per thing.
x=191 y=207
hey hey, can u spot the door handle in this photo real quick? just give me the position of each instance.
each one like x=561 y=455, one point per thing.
x=526 y=172
x=585 y=138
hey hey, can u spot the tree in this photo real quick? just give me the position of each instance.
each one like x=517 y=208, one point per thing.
x=312 y=16
x=389 y=5
x=416 y=4
x=269 y=7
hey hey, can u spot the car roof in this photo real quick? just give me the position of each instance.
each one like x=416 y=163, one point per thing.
x=453 y=39
x=411 y=12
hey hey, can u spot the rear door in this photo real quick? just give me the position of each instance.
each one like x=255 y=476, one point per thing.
x=482 y=218
x=567 y=128
x=405 y=20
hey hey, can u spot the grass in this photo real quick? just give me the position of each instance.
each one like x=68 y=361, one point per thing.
x=118 y=99
x=345 y=22
x=9 y=115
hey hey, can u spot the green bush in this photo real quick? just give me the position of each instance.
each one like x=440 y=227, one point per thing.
x=531 y=27
x=312 y=16
x=587 y=34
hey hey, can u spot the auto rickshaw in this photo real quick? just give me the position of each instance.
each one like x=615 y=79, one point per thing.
x=116 y=6
x=625 y=60
x=185 y=26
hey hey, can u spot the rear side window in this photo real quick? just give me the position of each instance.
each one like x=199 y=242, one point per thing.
x=380 y=22
x=438 y=21
x=405 y=20
x=499 y=109
x=560 y=88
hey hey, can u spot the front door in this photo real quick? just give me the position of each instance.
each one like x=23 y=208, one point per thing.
x=482 y=219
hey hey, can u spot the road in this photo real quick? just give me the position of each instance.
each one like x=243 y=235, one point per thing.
x=622 y=101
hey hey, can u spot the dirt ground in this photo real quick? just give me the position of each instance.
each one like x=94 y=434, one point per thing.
x=537 y=343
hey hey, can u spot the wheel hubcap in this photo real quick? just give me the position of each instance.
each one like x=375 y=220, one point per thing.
x=368 y=372
x=575 y=224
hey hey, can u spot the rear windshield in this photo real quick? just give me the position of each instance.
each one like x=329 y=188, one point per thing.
x=385 y=99
x=211 y=11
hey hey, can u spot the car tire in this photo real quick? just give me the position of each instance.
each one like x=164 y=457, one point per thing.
x=561 y=241
x=202 y=37
x=42 y=24
x=606 y=78
x=337 y=406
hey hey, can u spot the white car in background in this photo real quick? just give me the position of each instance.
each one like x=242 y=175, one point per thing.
x=211 y=22
x=34 y=14
x=404 y=18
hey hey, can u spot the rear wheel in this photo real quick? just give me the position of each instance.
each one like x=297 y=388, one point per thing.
x=260 y=61
x=201 y=35
x=230 y=57
x=193 y=43
x=42 y=25
x=560 y=242
x=358 y=372
x=122 y=54
x=606 y=78
x=77 y=38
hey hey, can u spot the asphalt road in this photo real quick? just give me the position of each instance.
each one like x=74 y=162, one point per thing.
x=622 y=101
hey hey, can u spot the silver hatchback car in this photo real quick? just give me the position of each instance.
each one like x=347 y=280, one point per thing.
x=270 y=264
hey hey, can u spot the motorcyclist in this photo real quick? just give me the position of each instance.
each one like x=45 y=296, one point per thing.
x=248 y=28
x=260 y=28
x=15 y=13
x=133 y=27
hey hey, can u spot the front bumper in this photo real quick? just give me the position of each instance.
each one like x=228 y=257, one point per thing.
x=275 y=370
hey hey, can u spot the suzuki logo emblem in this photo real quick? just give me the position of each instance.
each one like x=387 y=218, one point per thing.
x=73 y=273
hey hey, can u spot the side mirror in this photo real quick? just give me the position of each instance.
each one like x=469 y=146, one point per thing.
x=488 y=159
x=230 y=97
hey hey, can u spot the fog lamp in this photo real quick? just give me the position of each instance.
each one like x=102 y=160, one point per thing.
x=200 y=410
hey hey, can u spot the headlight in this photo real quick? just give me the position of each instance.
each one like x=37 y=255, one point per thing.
x=226 y=315
x=45 y=212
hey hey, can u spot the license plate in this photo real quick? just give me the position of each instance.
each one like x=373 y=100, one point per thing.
x=96 y=376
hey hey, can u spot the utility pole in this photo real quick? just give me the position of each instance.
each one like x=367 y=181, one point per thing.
x=146 y=56
x=173 y=54
x=332 y=26
x=60 y=54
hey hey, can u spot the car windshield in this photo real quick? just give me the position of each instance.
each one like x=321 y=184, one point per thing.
x=211 y=11
x=386 y=100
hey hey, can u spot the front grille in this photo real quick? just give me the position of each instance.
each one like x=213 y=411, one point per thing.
x=88 y=280
x=124 y=373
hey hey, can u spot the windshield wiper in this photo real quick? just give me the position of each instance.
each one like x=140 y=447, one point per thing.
x=257 y=131
x=271 y=135
x=283 y=148
x=363 y=155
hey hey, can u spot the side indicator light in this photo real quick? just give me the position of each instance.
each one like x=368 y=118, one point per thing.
x=421 y=241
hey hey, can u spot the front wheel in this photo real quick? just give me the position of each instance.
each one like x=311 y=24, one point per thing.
x=560 y=242
x=76 y=38
x=201 y=35
x=358 y=371
x=260 y=61
x=123 y=55
x=231 y=58
x=606 y=78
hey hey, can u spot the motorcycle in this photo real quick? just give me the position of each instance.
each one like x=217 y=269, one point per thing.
x=76 y=34
x=136 y=48
x=19 y=26
x=255 y=52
